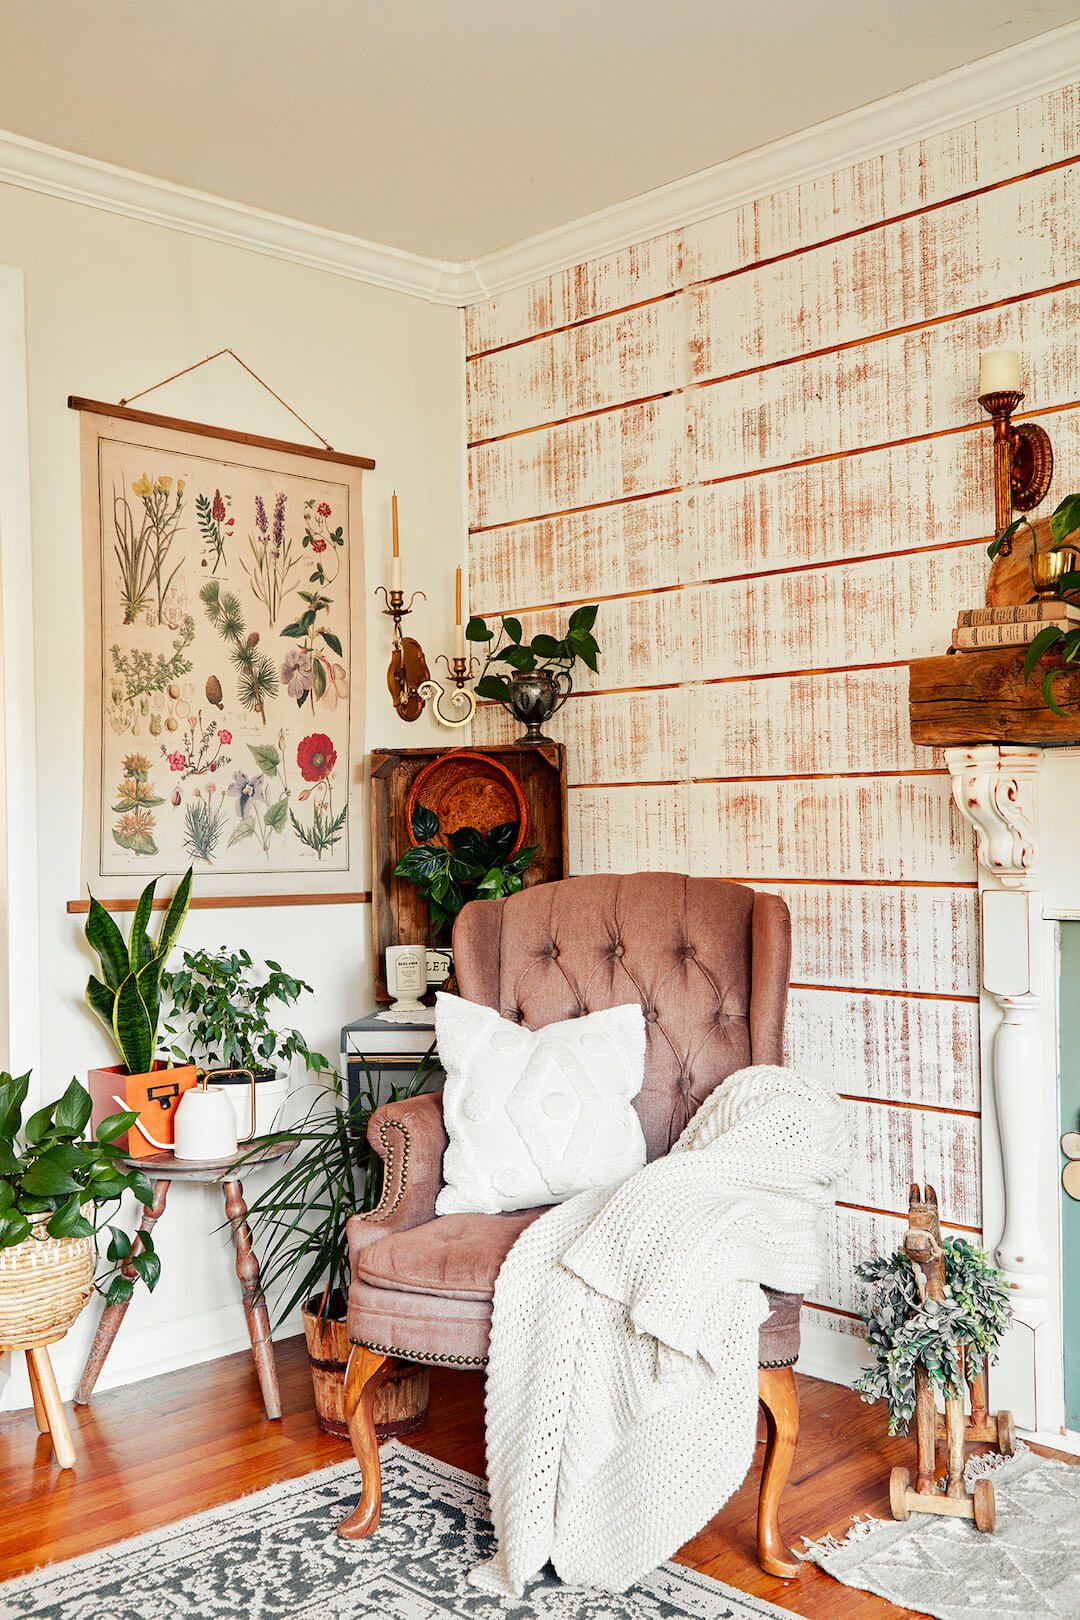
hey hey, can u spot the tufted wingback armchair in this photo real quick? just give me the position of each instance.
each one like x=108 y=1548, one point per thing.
x=709 y=962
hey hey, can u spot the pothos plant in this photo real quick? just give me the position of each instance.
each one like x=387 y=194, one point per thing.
x=1051 y=638
x=903 y=1329
x=469 y=865
x=554 y=655
x=49 y=1167
x=219 y=1010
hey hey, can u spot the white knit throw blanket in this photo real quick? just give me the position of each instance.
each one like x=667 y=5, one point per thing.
x=622 y=1381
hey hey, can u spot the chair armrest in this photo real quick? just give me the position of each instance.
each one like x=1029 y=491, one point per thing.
x=410 y=1138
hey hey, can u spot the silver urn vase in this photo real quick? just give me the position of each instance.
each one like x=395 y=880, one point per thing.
x=536 y=695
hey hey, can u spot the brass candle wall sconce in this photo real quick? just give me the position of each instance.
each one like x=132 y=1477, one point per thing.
x=1023 y=454
x=408 y=678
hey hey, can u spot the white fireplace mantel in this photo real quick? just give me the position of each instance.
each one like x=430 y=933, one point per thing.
x=1017 y=799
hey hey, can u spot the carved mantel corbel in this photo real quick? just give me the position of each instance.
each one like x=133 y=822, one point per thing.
x=995 y=787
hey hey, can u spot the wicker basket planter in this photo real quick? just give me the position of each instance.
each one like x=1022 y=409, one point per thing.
x=44 y=1284
x=400 y=1404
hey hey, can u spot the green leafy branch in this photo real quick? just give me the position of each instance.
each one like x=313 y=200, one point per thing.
x=904 y=1331
x=48 y=1167
x=543 y=652
x=469 y=866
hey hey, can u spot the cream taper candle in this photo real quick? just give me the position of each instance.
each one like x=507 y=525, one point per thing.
x=999 y=372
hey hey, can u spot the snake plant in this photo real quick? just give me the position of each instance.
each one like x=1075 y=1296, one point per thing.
x=127 y=997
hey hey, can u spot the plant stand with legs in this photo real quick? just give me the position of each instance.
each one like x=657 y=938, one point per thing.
x=164 y=1170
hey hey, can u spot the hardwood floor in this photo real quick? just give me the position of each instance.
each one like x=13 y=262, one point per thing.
x=173 y=1445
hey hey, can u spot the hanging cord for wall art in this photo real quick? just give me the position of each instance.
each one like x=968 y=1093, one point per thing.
x=260 y=380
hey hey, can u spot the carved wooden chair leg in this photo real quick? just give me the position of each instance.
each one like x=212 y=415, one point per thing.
x=363 y=1376
x=779 y=1399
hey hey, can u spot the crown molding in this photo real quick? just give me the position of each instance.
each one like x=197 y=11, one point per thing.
x=68 y=175
x=1036 y=67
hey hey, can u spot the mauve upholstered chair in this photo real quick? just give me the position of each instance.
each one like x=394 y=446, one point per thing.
x=709 y=961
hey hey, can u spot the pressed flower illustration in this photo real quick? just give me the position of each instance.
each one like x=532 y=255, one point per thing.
x=316 y=757
x=273 y=557
x=261 y=817
x=135 y=802
x=204 y=823
x=319 y=537
x=201 y=754
x=310 y=671
x=215 y=526
x=297 y=673
x=256 y=677
x=162 y=511
x=140 y=671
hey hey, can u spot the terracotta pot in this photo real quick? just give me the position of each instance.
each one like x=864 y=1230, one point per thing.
x=400 y=1404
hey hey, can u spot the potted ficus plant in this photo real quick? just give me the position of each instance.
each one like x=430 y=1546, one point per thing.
x=542 y=677
x=220 y=1014
x=127 y=999
x=450 y=870
x=298 y=1228
x=57 y=1187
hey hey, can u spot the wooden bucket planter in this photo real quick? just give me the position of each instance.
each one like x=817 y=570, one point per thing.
x=400 y=1404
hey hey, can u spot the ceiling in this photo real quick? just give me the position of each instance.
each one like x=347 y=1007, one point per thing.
x=452 y=128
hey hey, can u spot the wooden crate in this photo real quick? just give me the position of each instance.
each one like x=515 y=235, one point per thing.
x=399 y=915
x=974 y=697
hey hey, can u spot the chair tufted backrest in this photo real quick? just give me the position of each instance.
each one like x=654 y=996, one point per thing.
x=708 y=960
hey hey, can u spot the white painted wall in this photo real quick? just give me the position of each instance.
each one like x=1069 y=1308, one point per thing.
x=111 y=305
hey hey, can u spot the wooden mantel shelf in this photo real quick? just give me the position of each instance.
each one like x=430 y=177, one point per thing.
x=980 y=697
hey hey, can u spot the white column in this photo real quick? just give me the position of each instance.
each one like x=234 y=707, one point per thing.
x=996 y=789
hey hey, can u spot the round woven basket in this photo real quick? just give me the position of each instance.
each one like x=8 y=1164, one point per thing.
x=44 y=1284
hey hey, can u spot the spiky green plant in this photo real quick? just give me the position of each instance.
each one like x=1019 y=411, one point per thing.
x=298 y=1223
x=127 y=997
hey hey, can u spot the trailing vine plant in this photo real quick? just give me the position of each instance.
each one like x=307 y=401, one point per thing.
x=903 y=1329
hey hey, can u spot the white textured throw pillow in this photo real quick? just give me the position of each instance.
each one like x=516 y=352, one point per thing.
x=535 y=1116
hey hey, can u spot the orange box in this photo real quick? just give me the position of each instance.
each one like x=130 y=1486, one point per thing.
x=155 y=1096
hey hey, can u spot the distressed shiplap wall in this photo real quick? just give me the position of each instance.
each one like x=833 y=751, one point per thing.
x=756 y=442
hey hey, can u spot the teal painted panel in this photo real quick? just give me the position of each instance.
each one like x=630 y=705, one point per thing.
x=1070 y=1121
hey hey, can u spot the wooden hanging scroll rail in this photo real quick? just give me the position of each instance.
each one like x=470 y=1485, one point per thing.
x=235 y=902
x=181 y=424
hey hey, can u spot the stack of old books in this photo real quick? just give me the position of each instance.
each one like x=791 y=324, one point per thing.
x=978 y=629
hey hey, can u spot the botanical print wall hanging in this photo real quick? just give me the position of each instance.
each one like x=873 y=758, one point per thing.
x=224 y=658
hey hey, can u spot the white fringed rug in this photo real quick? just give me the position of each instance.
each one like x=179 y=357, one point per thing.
x=1029 y=1569
x=275 y=1555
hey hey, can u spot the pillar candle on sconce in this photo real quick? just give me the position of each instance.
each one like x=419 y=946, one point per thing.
x=1023 y=456
x=408 y=678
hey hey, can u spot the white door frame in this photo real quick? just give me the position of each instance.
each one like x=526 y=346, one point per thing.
x=20 y=1013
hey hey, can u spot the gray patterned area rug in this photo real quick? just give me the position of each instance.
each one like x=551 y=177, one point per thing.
x=1029 y=1568
x=275 y=1555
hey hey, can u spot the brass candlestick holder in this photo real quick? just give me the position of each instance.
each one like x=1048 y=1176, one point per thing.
x=407 y=671
x=461 y=702
x=1023 y=460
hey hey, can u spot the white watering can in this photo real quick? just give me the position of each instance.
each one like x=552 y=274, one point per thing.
x=205 y=1125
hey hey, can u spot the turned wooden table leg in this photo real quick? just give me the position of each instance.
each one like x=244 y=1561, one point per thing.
x=255 y=1312
x=53 y=1407
x=35 y=1390
x=113 y=1315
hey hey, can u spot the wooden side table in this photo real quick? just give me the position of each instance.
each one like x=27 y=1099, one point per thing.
x=163 y=1170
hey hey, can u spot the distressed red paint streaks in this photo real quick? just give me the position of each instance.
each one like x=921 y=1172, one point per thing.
x=895 y=828
x=777 y=727
x=601 y=458
x=875 y=611
x=917 y=382
x=626 y=737
x=605 y=825
x=895 y=1146
x=851 y=1040
x=639 y=546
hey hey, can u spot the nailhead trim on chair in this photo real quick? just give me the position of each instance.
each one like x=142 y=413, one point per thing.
x=383 y=1209
x=427 y=1355
x=471 y=1361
